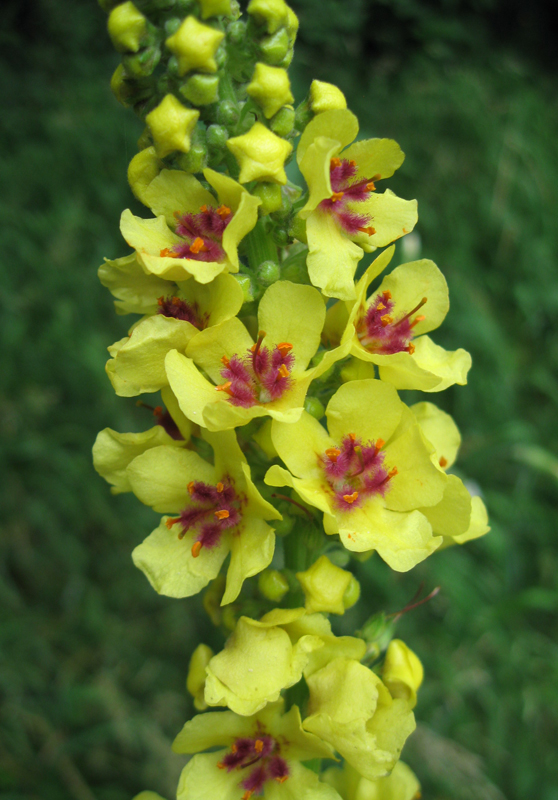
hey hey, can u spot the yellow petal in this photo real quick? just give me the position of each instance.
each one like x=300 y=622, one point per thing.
x=338 y=124
x=345 y=411
x=332 y=258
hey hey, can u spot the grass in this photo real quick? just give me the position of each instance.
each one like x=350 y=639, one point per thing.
x=92 y=662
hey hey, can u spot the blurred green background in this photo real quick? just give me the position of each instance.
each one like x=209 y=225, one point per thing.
x=92 y=661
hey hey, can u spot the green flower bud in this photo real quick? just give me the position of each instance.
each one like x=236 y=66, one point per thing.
x=314 y=407
x=268 y=272
x=143 y=63
x=247 y=287
x=148 y=796
x=280 y=236
x=217 y=136
x=227 y=113
x=357 y=370
x=270 y=194
x=295 y=271
x=127 y=28
x=283 y=526
x=195 y=160
x=339 y=557
x=172 y=25
x=377 y=632
x=283 y=122
x=298 y=229
x=195 y=682
x=274 y=48
x=213 y=8
x=121 y=89
x=274 y=14
x=236 y=32
x=273 y=585
x=352 y=593
x=285 y=209
x=324 y=586
x=201 y=90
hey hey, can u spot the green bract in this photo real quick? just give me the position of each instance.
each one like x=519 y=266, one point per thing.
x=174 y=192
x=138 y=361
x=351 y=709
x=335 y=249
x=173 y=564
x=290 y=315
x=275 y=744
x=389 y=519
x=377 y=326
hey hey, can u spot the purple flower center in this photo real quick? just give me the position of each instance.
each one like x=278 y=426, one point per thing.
x=355 y=471
x=179 y=309
x=346 y=189
x=262 y=753
x=164 y=419
x=380 y=332
x=212 y=510
x=202 y=234
x=259 y=376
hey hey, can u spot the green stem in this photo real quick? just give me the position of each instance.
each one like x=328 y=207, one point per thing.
x=259 y=246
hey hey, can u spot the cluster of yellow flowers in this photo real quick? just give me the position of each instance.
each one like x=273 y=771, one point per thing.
x=276 y=369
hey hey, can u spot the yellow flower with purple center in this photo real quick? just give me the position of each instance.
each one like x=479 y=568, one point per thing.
x=248 y=379
x=388 y=328
x=194 y=234
x=258 y=755
x=216 y=510
x=345 y=216
x=371 y=475
x=138 y=360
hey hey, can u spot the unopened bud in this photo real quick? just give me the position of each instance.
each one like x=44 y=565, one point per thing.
x=283 y=122
x=314 y=407
x=270 y=88
x=261 y=155
x=195 y=160
x=352 y=593
x=227 y=113
x=324 y=586
x=195 y=682
x=143 y=63
x=274 y=14
x=236 y=31
x=127 y=28
x=270 y=194
x=274 y=48
x=402 y=672
x=213 y=8
x=216 y=137
x=247 y=286
x=171 y=125
x=194 y=45
x=268 y=272
x=326 y=97
x=201 y=90
x=273 y=585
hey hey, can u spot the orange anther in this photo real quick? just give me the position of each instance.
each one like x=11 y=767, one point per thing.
x=369 y=230
x=371 y=186
x=157 y=411
x=333 y=453
x=336 y=196
x=191 y=487
x=282 y=779
x=352 y=163
x=196 y=549
x=379 y=444
x=170 y=522
x=234 y=749
x=160 y=301
x=204 y=209
x=393 y=472
x=386 y=320
x=386 y=295
x=258 y=745
x=247 y=795
x=220 y=765
x=224 y=387
x=350 y=498
x=167 y=253
x=352 y=437
x=223 y=211
x=410 y=348
x=380 y=307
x=284 y=348
x=335 y=162
x=225 y=361
x=198 y=246
x=222 y=514
x=219 y=487
x=443 y=462
x=283 y=371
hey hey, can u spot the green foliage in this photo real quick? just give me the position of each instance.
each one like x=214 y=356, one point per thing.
x=92 y=662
